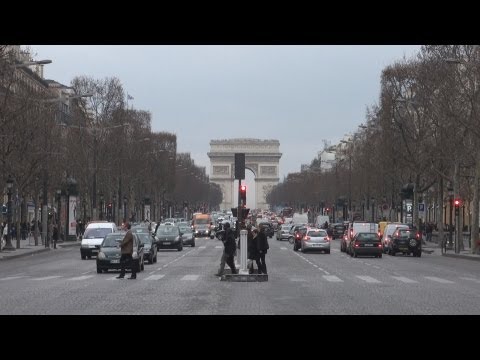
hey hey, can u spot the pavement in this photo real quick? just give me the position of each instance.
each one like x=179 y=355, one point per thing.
x=432 y=247
x=28 y=248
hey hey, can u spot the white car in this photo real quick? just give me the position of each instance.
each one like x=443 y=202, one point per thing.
x=93 y=237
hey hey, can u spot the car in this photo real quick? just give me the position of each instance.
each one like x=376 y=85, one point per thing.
x=366 y=243
x=355 y=228
x=407 y=241
x=296 y=234
x=267 y=228
x=93 y=237
x=149 y=247
x=283 y=232
x=188 y=236
x=110 y=253
x=315 y=239
x=169 y=236
x=388 y=233
x=337 y=230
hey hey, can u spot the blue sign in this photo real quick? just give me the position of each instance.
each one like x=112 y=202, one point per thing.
x=421 y=207
x=4 y=209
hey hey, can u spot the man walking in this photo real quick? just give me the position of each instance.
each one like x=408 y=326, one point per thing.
x=127 y=251
x=262 y=247
x=229 y=247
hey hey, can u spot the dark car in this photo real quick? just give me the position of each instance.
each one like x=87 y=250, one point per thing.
x=298 y=233
x=149 y=247
x=366 y=243
x=169 y=237
x=267 y=228
x=110 y=253
x=337 y=230
x=407 y=241
x=188 y=236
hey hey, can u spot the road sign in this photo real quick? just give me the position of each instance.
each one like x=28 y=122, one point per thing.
x=421 y=207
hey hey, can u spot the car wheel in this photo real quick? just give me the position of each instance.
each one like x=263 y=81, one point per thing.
x=180 y=248
x=155 y=259
x=143 y=265
x=419 y=254
x=99 y=271
x=89 y=257
x=290 y=240
x=392 y=252
x=295 y=247
x=193 y=243
x=354 y=254
x=302 y=249
x=327 y=251
x=84 y=257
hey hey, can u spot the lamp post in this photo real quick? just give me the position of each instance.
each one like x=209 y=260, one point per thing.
x=59 y=204
x=125 y=207
x=450 y=227
x=101 y=206
x=114 y=219
x=8 y=245
x=373 y=209
x=349 y=143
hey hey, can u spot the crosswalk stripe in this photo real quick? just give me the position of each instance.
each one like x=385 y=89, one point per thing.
x=78 y=278
x=218 y=247
x=440 y=280
x=46 y=278
x=368 y=279
x=332 y=278
x=202 y=247
x=190 y=277
x=405 y=280
x=283 y=248
x=464 y=278
x=154 y=277
x=12 y=278
x=112 y=278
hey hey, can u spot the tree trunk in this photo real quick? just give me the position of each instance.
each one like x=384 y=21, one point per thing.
x=35 y=232
x=474 y=231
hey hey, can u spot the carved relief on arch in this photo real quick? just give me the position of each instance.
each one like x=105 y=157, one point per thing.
x=220 y=170
x=268 y=170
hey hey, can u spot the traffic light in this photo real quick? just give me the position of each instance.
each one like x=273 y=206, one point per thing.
x=457 y=203
x=243 y=195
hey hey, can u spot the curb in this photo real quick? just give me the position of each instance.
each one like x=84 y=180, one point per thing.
x=69 y=243
x=15 y=256
x=461 y=256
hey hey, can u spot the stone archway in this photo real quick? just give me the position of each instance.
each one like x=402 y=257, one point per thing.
x=261 y=157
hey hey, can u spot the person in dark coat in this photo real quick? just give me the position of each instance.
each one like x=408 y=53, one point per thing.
x=127 y=252
x=262 y=247
x=230 y=247
x=252 y=252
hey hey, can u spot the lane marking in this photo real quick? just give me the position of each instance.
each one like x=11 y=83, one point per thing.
x=368 y=279
x=471 y=279
x=218 y=247
x=86 y=272
x=315 y=265
x=440 y=280
x=297 y=279
x=154 y=277
x=113 y=278
x=376 y=267
x=283 y=248
x=202 y=247
x=46 y=278
x=368 y=264
x=332 y=278
x=405 y=280
x=78 y=278
x=190 y=277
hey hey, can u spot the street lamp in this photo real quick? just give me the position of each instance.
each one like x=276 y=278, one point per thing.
x=373 y=209
x=59 y=197
x=125 y=207
x=349 y=179
x=101 y=206
x=8 y=245
x=113 y=208
x=450 y=227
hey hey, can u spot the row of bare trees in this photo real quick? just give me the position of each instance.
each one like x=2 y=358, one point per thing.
x=424 y=132
x=111 y=151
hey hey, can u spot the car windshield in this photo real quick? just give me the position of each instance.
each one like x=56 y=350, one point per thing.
x=145 y=238
x=340 y=227
x=317 y=233
x=140 y=230
x=368 y=236
x=167 y=230
x=201 y=221
x=95 y=233
x=112 y=241
x=185 y=229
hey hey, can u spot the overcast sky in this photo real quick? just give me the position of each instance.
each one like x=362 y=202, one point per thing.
x=299 y=95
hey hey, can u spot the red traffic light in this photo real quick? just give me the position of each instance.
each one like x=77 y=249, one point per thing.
x=243 y=188
x=457 y=202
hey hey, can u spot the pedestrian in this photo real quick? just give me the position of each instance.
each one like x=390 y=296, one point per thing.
x=219 y=234
x=127 y=251
x=325 y=226
x=262 y=247
x=428 y=231
x=55 y=236
x=252 y=252
x=230 y=247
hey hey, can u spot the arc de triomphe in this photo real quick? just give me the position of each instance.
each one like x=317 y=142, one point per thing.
x=261 y=157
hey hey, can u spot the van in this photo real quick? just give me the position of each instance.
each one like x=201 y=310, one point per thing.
x=202 y=225
x=320 y=221
x=93 y=237
x=300 y=218
x=381 y=227
x=355 y=228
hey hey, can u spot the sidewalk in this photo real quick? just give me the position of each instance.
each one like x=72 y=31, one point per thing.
x=464 y=254
x=28 y=248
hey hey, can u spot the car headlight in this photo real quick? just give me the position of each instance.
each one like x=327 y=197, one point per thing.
x=196 y=231
x=101 y=255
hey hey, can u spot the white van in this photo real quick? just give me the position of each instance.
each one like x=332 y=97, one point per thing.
x=93 y=237
x=300 y=219
x=321 y=221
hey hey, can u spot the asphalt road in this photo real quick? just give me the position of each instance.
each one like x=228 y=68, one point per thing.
x=59 y=282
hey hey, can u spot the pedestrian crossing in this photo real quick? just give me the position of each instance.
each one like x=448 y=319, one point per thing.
x=359 y=279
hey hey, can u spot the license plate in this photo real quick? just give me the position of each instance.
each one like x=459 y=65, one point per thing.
x=166 y=243
x=115 y=261
x=368 y=245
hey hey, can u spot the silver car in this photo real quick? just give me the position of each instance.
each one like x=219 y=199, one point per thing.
x=283 y=232
x=316 y=239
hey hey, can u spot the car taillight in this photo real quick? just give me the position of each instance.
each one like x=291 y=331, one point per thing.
x=357 y=244
x=306 y=237
x=380 y=245
x=297 y=236
x=418 y=235
x=328 y=238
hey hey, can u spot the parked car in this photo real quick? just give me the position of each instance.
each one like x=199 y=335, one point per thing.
x=110 y=253
x=366 y=243
x=315 y=239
